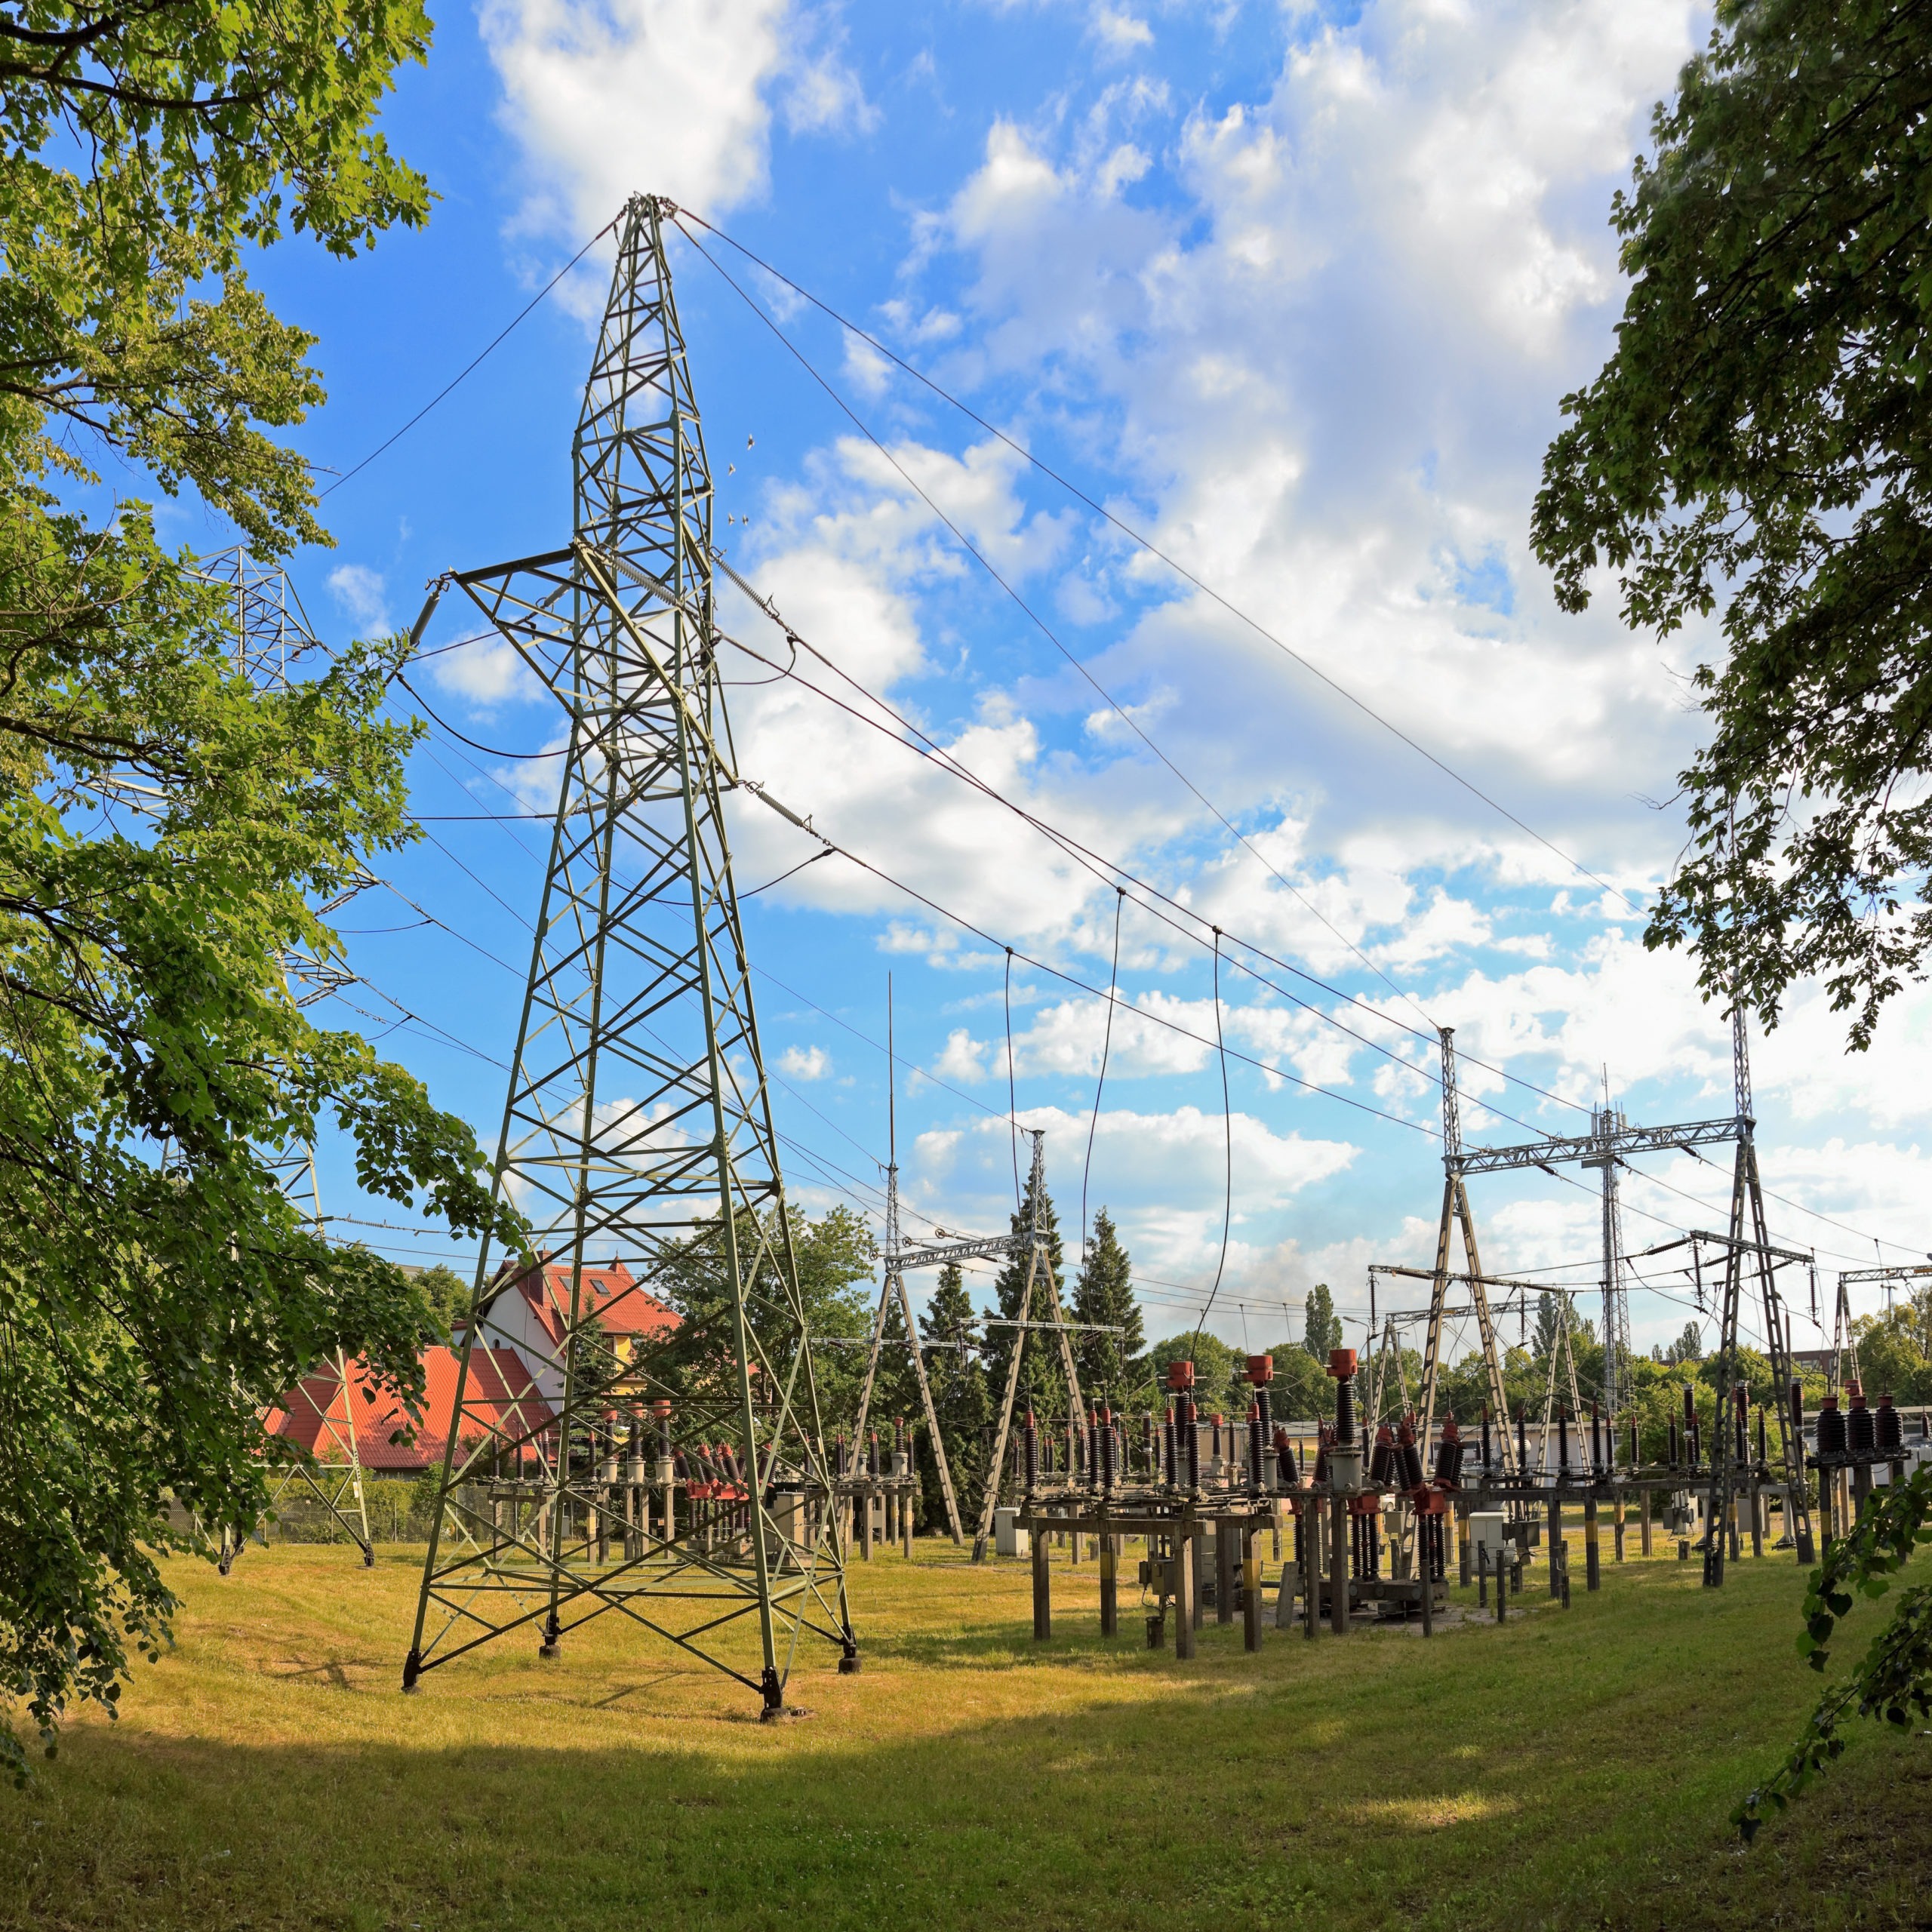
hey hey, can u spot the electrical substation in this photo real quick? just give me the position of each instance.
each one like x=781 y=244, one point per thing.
x=602 y=1455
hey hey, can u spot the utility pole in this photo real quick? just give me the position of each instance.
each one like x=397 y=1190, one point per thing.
x=638 y=1125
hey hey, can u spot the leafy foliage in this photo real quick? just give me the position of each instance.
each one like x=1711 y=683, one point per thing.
x=1893 y=1679
x=1762 y=439
x=448 y=1296
x=696 y=1362
x=1321 y=1327
x=167 y=828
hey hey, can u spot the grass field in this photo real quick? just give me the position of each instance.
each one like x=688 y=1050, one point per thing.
x=1573 y=1768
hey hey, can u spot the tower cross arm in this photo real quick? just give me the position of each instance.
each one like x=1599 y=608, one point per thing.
x=1592 y=1149
x=921 y=1254
x=1907 y=1273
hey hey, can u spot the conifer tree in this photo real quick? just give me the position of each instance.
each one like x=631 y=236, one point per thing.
x=1042 y=1379
x=960 y=1397
x=1104 y=1295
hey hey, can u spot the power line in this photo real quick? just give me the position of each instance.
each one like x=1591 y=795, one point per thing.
x=1145 y=543
x=474 y=363
x=1046 y=631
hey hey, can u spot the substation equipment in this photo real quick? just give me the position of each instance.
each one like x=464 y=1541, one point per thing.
x=681 y=1485
x=1779 y=1462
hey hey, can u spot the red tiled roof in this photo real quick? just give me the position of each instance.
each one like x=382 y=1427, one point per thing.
x=501 y=1391
x=611 y=1293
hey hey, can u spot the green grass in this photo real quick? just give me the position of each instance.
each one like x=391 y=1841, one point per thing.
x=1572 y=1768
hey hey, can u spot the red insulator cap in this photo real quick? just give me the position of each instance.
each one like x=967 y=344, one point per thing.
x=1260 y=1369
x=1856 y=1391
x=1254 y=1411
x=1180 y=1375
x=1341 y=1363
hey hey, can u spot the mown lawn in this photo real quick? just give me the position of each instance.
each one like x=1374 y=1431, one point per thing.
x=1572 y=1768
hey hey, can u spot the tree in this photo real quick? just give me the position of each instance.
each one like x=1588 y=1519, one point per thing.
x=1761 y=440
x=1321 y=1327
x=448 y=1296
x=1043 y=1383
x=697 y=1360
x=1893 y=1679
x=1688 y=1347
x=1555 y=1314
x=167 y=828
x=962 y=1398
x=1216 y=1367
x=1103 y=1294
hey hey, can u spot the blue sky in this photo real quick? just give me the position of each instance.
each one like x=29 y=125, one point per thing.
x=1295 y=292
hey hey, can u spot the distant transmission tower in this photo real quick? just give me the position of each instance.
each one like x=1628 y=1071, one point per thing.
x=677 y=1475
x=271 y=631
x=1606 y=1123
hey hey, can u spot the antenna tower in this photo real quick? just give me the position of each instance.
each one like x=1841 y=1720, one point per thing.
x=638 y=1127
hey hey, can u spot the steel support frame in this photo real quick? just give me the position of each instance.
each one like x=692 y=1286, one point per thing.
x=638 y=1121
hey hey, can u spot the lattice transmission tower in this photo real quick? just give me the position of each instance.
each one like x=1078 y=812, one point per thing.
x=675 y=1471
x=1607 y=1122
x=271 y=633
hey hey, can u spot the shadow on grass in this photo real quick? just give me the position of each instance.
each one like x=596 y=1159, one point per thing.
x=1579 y=1776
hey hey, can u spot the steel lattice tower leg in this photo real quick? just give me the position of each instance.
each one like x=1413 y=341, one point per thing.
x=638 y=1127
x=1748 y=1235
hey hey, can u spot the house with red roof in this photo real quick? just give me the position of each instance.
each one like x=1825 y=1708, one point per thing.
x=530 y=1314
x=321 y=1411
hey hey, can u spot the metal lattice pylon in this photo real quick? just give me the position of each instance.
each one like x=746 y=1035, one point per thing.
x=271 y=631
x=1607 y=1122
x=638 y=1128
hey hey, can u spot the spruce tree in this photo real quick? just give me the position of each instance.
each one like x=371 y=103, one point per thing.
x=1042 y=1380
x=960 y=1397
x=1104 y=1295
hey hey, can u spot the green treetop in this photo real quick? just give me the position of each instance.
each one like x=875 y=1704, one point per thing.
x=1042 y=1380
x=167 y=828
x=1103 y=1294
x=1760 y=446
x=1321 y=1327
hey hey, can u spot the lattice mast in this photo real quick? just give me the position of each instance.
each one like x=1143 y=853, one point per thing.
x=1606 y=1123
x=271 y=631
x=1749 y=1239
x=898 y=1255
x=676 y=1475
x=1455 y=1215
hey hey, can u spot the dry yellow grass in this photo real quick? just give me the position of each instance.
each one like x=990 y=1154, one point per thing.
x=1571 y=1768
